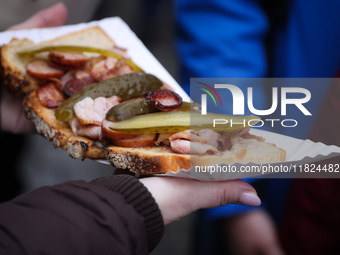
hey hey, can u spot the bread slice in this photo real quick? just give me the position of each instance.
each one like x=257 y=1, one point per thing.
x=144 y=161
x=19 y=82
x=157 y=160
x=13 y=67
x=58 y=132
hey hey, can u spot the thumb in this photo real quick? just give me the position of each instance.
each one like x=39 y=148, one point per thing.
x=50 y=17
x=178 y=197
x=213 y=194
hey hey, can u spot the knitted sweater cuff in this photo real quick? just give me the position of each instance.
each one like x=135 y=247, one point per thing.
x=137 y=195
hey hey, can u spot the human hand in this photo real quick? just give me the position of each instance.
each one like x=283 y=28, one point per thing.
x=52 y=16
x=252 y=233
x=12 y=116
x=177 y=197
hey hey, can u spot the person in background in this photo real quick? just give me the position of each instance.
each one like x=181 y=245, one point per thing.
x=254 y=39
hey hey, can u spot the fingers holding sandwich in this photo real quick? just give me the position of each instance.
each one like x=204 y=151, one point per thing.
x=12 y=117
x=177 y=197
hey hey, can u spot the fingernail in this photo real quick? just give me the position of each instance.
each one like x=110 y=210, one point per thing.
x=250 y=198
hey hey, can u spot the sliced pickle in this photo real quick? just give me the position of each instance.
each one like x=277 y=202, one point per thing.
x=163 y=122
x=138 y=106
x=107 y=53
x=186 y=106
x=125 y=86
x=129 y=109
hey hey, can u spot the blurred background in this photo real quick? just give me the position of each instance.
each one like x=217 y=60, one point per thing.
x=33 y=161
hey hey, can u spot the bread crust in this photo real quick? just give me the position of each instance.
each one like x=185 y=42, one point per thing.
x=146 y=161
x=158 y=160
x=13 y=70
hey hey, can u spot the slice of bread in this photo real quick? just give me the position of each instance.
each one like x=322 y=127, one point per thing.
x=13 y=67
x=157 y=160
x=144 y=161
x=19 y=82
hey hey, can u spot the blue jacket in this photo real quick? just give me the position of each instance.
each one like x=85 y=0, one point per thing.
x=218 y=38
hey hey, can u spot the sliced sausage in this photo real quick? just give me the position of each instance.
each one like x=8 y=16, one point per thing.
x=39 y=68
x=74 y=86
x=68 y=59
x=66 y=77
x=165 y=100
x=142 y=140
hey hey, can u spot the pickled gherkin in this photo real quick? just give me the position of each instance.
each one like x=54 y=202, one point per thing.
x=176 y=121
x=138 y=106
x=103 y=52
x=129 y=109
x=186 y=106
x=126 y=86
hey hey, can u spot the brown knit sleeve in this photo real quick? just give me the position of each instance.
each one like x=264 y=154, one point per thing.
x=137 y=195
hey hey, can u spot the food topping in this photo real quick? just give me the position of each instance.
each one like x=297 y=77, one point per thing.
x=193 y=148
x=91 y=131
x=74 y=86
x=165 y=100
x=129 y=109
x=50 y=95
x=148 y=115
x=92 y=111
x=125 y=86
x=195 y=142
x=141 y=140
x=39 y=68
x=176 y=121
x=186 y=106
x=114 y=135
x=139 y=106
x=158 y=122
x=163 y=139
x=73 y=48
x=108 y=68
x=67 y=58
x=224 y=142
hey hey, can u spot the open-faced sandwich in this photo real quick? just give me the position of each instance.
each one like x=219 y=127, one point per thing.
x=88 y=97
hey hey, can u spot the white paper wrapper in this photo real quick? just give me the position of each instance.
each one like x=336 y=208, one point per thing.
x=299 y=152
x=119 y=31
